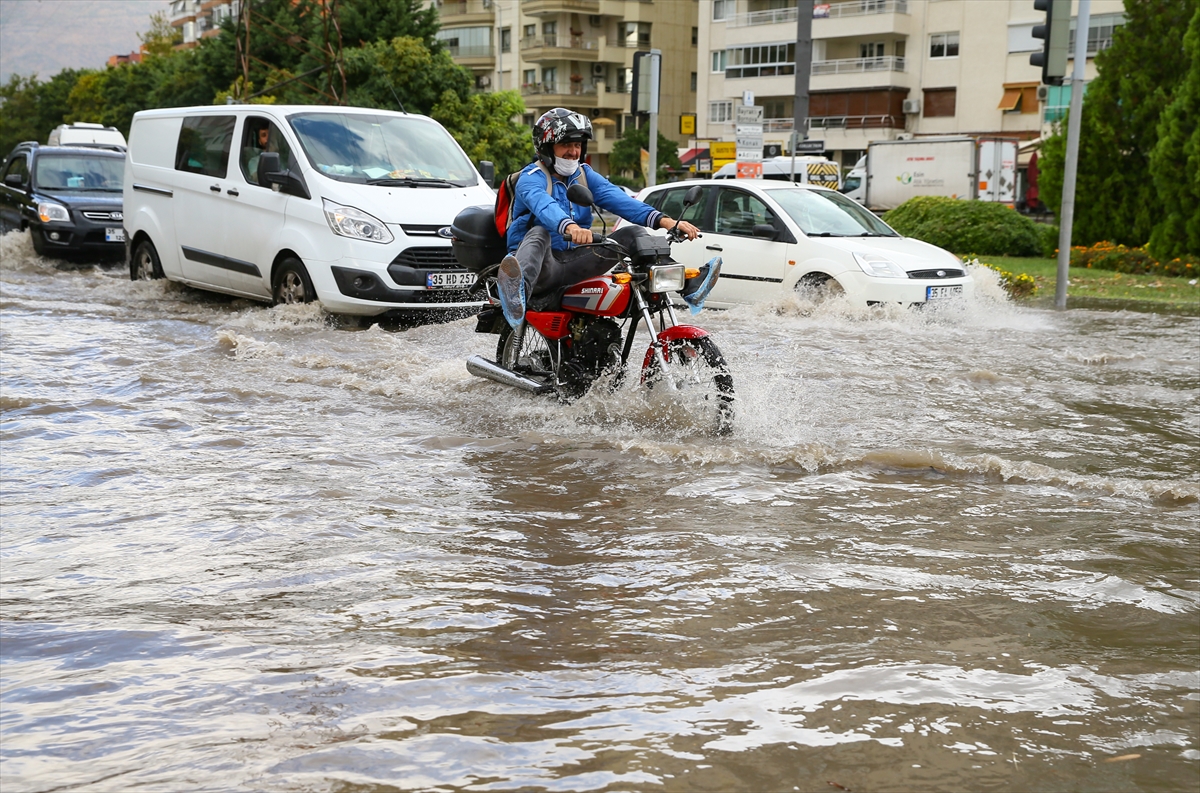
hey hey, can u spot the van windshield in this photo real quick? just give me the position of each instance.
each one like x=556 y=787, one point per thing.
x=79 y=172
x=377 y=149
x=823 y=213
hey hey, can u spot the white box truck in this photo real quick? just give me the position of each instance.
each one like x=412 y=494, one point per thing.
x=983 y=169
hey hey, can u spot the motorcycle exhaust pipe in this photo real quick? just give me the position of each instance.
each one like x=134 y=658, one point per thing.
x=482 y=367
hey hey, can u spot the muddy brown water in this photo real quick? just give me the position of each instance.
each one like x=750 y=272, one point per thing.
x=244 y=549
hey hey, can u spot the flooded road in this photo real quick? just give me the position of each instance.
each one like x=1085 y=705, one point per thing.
x=246 y=550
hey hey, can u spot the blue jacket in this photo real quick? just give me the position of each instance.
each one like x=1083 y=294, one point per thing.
x=532 y=205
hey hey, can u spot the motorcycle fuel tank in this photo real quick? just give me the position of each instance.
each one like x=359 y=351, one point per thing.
x=600 y=296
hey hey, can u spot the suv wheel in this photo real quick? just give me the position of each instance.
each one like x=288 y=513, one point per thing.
x=145 y=266
x=39 y=242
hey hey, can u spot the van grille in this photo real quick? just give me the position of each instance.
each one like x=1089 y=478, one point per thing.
x=439 y=258
x=940 y=273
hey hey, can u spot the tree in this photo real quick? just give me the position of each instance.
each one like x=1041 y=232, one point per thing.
x=405 y=72
x=484 y=126
x=30 y=109
x=1175 y=161
x=161 y=38
x=1137 y=78
x=626 y=156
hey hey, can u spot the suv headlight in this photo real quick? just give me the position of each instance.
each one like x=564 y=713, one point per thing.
x=356 y=224
x=666 y=278
x=48 y=212
x=879 y=266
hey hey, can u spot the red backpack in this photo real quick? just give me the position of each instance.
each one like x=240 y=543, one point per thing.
x=508 y=191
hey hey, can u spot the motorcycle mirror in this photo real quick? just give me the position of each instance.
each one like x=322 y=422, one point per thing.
x=487 y=170
x=578 y=194
x=692 y=196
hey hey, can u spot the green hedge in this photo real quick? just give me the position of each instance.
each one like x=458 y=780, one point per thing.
x=967 y=226
x=1136 y=261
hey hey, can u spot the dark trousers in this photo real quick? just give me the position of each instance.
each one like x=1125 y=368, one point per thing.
x=547 y=273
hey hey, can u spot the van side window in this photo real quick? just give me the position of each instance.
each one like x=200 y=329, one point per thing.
x=204 y=143
x=259 y=135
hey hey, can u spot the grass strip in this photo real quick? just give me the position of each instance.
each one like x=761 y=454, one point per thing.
x=1087 y=288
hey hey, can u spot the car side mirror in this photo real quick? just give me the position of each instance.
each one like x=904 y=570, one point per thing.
x=14 y=180
x=692 y=196
x=488 y=171
x=578 y=194
x=287 y=181
x=764 y=230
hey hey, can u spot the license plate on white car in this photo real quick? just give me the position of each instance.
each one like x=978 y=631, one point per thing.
x=114 y=235
x=449 y=280
x=943 y=292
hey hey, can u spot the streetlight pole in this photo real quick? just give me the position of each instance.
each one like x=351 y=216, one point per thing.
x=1067 y=213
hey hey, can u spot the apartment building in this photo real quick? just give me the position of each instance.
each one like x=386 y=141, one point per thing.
x=882 y=69
x=197 y=19
x=578 y=54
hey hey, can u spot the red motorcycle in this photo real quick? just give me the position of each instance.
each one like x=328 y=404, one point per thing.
x=567 y=349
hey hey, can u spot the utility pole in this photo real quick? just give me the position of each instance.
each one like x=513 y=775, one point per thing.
x=655 y=73
x=1067 y=215
x=499 y=46
x=804 y=17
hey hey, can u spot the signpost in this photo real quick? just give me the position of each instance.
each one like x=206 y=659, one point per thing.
x=749 y=136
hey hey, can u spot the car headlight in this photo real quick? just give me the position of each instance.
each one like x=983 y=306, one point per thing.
x=879 y=266
x=666 y=278
x=356 y=224
x=48 y=212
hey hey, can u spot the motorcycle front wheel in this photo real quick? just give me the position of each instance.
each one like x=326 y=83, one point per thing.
x=526 y=351
x=700 y=376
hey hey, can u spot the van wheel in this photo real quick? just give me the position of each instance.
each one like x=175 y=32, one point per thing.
x=292 y=284
x=145 y=266
x=819 y=287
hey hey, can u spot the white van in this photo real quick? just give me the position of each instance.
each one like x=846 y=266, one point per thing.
x=819 y=171
x=348 y=206
x=83 y=133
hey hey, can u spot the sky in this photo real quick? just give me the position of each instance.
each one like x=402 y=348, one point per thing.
x=46 y=36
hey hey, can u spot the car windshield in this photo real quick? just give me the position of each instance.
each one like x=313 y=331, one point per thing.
x=79 y=172
x=822 y=213
x=377 y=149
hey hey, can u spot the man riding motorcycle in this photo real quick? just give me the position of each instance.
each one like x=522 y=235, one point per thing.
x=542 y=258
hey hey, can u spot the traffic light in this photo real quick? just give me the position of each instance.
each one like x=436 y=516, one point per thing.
x=1056 y=38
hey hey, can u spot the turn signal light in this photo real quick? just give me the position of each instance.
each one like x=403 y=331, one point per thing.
x=622 y=278
x=691 y=272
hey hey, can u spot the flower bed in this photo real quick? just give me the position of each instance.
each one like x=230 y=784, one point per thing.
x=1136 y=261
x=1018 y=285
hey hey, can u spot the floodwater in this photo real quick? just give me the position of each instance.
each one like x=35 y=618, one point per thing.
x=247 y=550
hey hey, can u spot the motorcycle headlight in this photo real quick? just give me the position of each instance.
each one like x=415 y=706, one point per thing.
x=356 y=224
x=666 y=278
x=48 y=212
x=879 y=266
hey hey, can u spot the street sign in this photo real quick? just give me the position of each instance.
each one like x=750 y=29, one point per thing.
x=748 y=115
x=810 y=147
x=749 y=134
x=722 y=150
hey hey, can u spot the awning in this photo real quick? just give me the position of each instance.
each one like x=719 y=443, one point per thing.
x=689 y=156
x=1012 y=97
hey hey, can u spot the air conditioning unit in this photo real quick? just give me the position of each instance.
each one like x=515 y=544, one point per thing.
x=1043 y=93
x=911 y=106
x=599 y=69
x=904 y=136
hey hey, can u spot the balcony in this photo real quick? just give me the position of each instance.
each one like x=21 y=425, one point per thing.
x=542 y=8
x=755 y=18
x=483 y=55
x=560 y=48
x=858 y=8
x=857 y=122
x=558 y=94
x=889 y=63
x=464 y=12
x=863 y=18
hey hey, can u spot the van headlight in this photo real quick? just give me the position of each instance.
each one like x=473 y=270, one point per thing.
x=356 y=224
x=666 y=278
x=879 y=266
x=48 y=211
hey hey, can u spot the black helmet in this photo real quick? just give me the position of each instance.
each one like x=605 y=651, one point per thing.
x=560 y=126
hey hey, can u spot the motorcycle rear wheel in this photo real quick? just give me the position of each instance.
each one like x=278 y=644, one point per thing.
x=700 y=374
x=526 y=351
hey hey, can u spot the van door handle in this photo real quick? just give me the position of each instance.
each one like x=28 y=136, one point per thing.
x=232 y=191
x=216 y=188
x=714 y=248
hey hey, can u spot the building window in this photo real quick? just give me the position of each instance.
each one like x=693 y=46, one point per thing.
x=943 y=45
x=718 y=61
x=1058 y=101
x=766 y=60
x=695 y=36
x=475 y=42
x=530 y=77
x=719 y=9
x=871 y=49
x=1020 y=39
x=506 y=40
x=625 y=80
x=939 y=102
x=1019 y=98
x=634 y=34
x=1100 y=32
x=777 y=106
x=720 y=112
x=530 y=31
x=550 y=80
x=693 y=81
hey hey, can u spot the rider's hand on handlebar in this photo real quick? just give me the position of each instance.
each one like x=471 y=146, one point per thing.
x=682 y=227
x=578 y=235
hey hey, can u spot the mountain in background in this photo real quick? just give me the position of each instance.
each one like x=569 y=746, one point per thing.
x=47 y=36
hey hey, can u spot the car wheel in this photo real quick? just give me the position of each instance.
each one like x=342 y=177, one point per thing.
x=39 y=242
x=292 y=284
x=145 y=265
x=818 y=287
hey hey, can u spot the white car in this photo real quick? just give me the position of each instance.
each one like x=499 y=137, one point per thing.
x=777 y=237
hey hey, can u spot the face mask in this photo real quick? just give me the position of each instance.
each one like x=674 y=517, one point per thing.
x=565 y=168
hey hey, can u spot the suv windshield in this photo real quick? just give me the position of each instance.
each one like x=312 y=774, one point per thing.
x=821 y=213
x=79 y=172
x=357 y=147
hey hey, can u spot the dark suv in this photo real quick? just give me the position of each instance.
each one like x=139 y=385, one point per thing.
x=69 y=197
